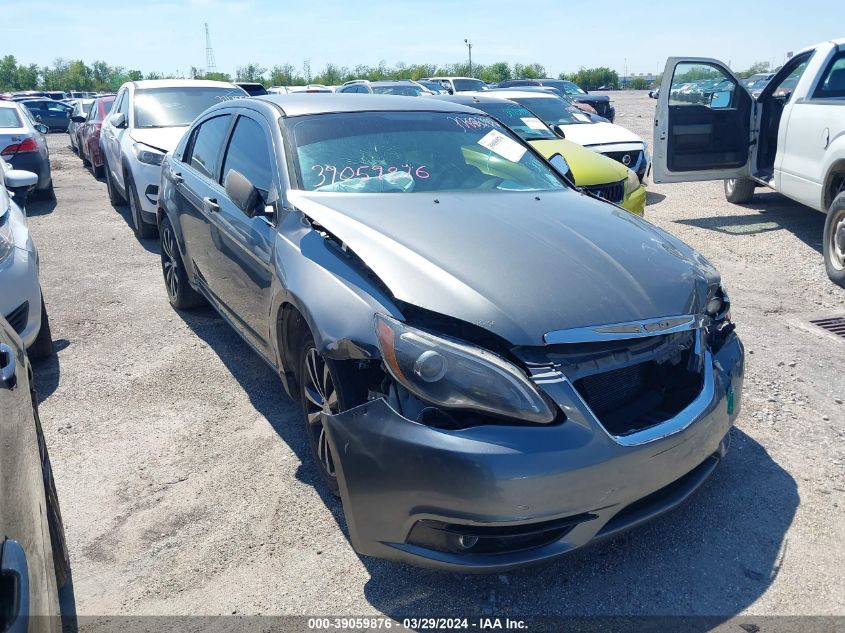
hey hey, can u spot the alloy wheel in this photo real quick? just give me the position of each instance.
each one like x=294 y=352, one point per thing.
x=170 y=262
x=320 y=398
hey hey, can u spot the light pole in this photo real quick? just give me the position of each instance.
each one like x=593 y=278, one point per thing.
x=469 y=47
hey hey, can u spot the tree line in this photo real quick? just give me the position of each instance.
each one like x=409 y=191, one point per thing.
x=100 y=76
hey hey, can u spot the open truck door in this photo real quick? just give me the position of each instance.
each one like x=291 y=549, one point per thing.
x=704 y=123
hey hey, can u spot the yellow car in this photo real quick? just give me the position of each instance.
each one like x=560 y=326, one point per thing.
x=598 y=174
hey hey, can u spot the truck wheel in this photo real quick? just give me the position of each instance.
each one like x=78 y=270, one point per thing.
x=834 y=241
x=739 y=190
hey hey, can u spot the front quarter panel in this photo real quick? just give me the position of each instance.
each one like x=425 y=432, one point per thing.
x=329 y=287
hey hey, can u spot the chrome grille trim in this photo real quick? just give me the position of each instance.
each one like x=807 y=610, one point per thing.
x=627 y=330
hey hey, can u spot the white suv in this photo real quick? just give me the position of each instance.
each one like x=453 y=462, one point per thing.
x=146 y=121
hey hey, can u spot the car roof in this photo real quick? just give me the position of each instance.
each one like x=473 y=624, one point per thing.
x=302 y=104
x=180 y=83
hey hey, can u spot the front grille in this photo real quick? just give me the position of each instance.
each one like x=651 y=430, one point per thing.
x=613 y=192
x=633 y=157
x=18 y=317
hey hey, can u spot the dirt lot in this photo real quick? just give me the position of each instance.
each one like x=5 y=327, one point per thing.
x=186 y=486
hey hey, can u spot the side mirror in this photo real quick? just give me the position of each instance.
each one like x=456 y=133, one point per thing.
x=16 y=178
x=79 y=118
x=562 y=167
x=118 y=120
x=721 y=99
x=242 y=193
x=558 y=129
x=42 y=128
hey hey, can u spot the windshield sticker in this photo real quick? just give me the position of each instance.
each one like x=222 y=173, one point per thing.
x=505 y=147
x=474 y=122
x=579 y=116
x=329 y=174
x=534 y=123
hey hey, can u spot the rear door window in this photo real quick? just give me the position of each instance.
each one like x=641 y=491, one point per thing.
x=205 y=145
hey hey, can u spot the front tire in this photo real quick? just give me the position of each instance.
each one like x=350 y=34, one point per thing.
x=325 y=388
x=739 y=190
x=42 y=347
x=143 y=230
x=179 y=291
x=834 y=241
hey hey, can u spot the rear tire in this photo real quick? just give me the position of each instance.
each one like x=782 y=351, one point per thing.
x=739 y=190
x=834 y=241
x=179 y=291
x=142 y=229
x=42 y=347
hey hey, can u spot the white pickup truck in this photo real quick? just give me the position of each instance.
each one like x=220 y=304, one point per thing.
x=791 y=138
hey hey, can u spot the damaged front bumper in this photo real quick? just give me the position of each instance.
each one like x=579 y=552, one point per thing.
x=491 y=498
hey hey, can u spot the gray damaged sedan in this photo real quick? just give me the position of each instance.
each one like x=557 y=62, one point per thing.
x=494 y=368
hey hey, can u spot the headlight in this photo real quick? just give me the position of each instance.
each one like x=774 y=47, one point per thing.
x=457 y=376
x=719 y=305
x=632 y=182
x=147 y=154
x=7 y=238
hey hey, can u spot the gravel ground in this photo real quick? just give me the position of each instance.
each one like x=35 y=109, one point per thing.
x=186 y=485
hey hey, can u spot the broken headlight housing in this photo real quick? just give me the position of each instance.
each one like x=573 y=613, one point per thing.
x=455 y=375
x=718 y=305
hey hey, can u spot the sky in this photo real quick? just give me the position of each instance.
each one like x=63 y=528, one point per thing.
x=563 y=35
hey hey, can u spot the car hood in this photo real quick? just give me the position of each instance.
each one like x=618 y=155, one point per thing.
x=164 y=138
x=588 y=167
x=517 y=264
x=599 y=133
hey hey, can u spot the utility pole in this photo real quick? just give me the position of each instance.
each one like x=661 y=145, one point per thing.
x=210 y=66
x=625 y=76
x=469 y=47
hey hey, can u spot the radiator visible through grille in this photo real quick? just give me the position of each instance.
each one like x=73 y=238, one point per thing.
x=643 y=394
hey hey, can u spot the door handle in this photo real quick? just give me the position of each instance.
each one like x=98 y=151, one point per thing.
x=177 y=178
x=8 y=378
x=13 y=566
x=210 y=204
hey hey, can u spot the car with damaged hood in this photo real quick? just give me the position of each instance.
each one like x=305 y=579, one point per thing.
x=493 y=368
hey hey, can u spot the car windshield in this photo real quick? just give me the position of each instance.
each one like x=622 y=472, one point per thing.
x=566 y=86
x=170 y=107
x=518 y=118
x=403 y=152
x=408 y=91
x=554 y=111
x=469 y=85
x=9 y=118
